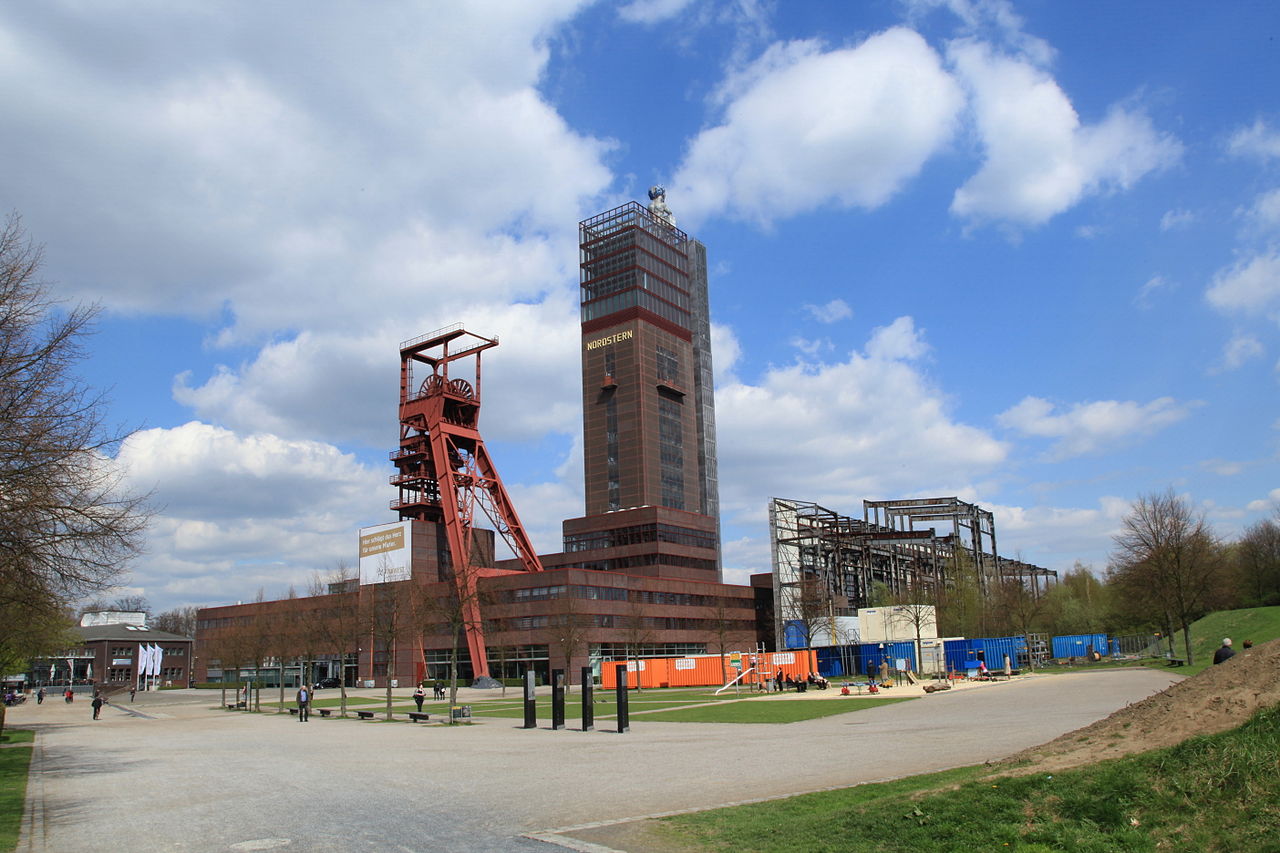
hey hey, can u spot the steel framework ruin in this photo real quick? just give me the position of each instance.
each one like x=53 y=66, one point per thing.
x=827 y=564
x=443 y=471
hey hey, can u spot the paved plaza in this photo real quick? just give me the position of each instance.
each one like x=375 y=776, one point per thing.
x=183 y=775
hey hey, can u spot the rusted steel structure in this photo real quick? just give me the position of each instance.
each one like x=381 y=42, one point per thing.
x=972 y=527
x=443 y=471
x=826 y=564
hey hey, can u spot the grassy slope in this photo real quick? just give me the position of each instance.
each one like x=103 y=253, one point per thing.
x=14 y=764
x=1219 y=792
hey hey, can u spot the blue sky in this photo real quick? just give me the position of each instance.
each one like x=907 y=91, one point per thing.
x=1027 y=254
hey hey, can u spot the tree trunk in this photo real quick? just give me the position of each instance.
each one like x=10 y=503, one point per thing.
x=1186 y=642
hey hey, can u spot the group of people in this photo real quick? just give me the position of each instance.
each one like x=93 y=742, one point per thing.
x=1225 y=652
x=801 y=683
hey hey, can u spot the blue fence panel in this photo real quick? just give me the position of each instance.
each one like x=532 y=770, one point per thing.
x=873 y=653
x=794 y=635
x=833 y=660
x=1077 y=645
x=963 y=655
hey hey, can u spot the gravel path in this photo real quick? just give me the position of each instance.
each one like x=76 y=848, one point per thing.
x=188 y=777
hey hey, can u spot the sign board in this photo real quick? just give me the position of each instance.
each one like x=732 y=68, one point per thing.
x=784 y=657
x=122 y=661
x=686 y=663
x=633 y=665
x=900 y=664
x=385 y=551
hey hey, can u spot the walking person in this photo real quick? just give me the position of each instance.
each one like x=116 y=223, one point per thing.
x=68 y=696
x=304 y=699
x=132 y=692
x=40 y=696
x=418 y=696
x=98 y=702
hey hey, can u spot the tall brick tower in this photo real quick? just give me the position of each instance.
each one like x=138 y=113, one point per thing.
x=652 y=496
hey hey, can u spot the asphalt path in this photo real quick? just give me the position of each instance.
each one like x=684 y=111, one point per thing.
x=174 y=773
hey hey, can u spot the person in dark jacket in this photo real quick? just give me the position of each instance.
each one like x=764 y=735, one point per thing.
x=98 y=702
x=1224 y=652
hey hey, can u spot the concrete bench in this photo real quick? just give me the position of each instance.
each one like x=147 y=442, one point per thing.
x=1176 y=662
x=324 y=712
x=365 y=715
x=235 y=706
x=419 y=717
x=293 y=711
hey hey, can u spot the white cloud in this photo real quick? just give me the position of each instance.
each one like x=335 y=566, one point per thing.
x=651 y=11
x=1223 y=467
x=1177 y=219
x=1249 y=286
x=239 y=512
x=1040 y=159
x=343 y=387
x=277 y=181
x=832 y=312
x=869 y=426
x=1264 y=214
x=1087 y=428
x=1239 y=350
x=1257 y=140
x=1270 y=503
x=804 y=127
x=1149 y=289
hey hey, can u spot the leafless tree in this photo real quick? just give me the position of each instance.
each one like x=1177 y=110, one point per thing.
x=918 y=617
x=180 y=620
x=1167 y=561
x=1258 y=562
x=636 y=630
x=333 y=625
x=569 y=627
x=68 y=523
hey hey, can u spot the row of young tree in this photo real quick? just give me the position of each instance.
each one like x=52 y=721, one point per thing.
x=1167 y=569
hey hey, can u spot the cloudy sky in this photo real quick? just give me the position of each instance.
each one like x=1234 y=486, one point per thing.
x=1027 y=254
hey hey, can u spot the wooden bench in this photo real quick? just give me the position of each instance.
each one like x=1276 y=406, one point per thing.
x=1176 y=662
x=365 y=715
x=324 y=712
x=418 y=717
x=235 y=706
x=293 y=711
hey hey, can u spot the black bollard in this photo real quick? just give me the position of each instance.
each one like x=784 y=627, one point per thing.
x=588 y=697
x=624 y=724
x=530 y=701
x=557 y=699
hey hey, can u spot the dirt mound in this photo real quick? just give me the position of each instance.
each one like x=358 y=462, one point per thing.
x=1219 y=698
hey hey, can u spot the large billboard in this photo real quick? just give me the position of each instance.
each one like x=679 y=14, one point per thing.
x=384 y=552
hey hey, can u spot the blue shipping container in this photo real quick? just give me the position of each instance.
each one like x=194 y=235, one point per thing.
x=1077 y=645
x=873 y=653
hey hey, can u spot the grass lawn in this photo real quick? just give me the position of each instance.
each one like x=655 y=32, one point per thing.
x=766 y=712
x=14 y=763
x=1213 y=793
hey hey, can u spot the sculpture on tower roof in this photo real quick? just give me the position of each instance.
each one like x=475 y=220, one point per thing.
x=658 y=205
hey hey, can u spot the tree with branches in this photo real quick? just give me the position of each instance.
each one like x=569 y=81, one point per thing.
x=68 y=522
x=1167 y=563
x=331 y=622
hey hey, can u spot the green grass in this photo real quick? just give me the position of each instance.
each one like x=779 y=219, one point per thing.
x=1215 y=793
x=17 y=736
x=765 y=712
x=14 y=765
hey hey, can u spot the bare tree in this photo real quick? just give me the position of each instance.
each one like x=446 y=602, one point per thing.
x=569 y=627
x=68 y=524
x=334 y=625
x=386 y=614
x=180 y=620
x=1258 y=562
x=920 y=618
x=636 y=630
x=1167 y=561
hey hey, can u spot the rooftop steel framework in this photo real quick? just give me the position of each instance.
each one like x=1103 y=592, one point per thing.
x=818 y=552
x=443 y=470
